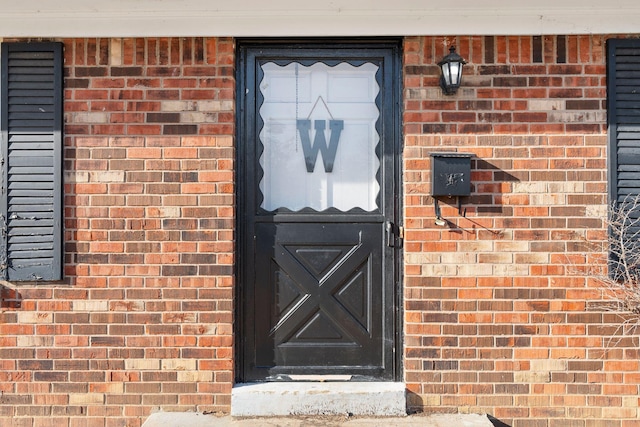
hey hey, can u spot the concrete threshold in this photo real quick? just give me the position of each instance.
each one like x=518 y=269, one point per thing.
x=317 y=404
x=273 y=399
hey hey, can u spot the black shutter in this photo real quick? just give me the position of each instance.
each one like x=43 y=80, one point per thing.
x=623 y=96
x=32 y=161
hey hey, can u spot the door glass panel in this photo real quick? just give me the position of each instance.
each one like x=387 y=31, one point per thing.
x=319 y=136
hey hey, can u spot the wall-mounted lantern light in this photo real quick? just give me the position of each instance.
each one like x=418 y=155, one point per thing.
x=451 y=67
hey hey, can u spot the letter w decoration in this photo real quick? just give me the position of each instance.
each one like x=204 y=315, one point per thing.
x=320 y=142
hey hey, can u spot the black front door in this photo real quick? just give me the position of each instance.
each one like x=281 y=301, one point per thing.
x=318 y=142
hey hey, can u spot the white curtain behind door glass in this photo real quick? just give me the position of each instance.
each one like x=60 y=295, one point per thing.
x=319 y=93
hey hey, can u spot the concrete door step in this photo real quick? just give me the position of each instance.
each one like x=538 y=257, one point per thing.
x=274 y=399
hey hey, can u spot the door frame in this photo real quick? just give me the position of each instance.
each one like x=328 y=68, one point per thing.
x=245 y=131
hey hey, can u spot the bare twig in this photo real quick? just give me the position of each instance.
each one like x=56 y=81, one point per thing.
x=620 y=282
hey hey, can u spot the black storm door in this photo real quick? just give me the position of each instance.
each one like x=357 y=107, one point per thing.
x=318 y=132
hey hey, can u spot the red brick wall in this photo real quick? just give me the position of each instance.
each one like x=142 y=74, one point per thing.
x=144 y=318
x=498 y=317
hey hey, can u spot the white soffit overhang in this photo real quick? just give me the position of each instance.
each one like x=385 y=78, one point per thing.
x=287 y=18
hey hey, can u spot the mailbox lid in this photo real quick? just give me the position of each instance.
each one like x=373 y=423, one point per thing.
x=450 y=174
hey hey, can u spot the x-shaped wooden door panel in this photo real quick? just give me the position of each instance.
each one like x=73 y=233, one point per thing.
x=323 y=295
x=323 y=291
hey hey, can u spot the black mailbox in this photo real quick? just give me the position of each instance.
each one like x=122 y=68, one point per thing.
x=450 y=174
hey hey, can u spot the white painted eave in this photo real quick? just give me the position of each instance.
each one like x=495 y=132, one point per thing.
x=288 y=18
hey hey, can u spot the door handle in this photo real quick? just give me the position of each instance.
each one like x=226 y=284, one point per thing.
x=394 y=232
